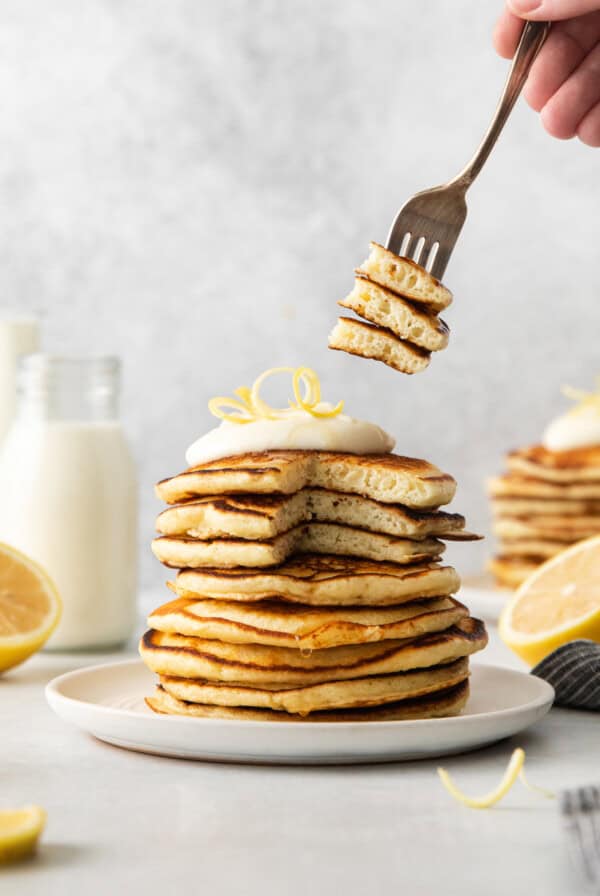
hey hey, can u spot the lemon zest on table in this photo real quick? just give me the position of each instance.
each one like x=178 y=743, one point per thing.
x=249 y=406
x=535 y=788
x=514 y=770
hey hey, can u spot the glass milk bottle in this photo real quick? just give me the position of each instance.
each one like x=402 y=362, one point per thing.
x=68 y=495
x=18 y=336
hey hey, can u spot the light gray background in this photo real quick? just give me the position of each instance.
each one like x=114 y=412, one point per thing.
x=189 y=185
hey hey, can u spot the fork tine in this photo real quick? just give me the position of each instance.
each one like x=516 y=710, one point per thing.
x=440 y=262
x=404 y=243
x=581 y=832
x=574 y=843
x=431 y=254
x=424 y=256
x=577 y=848
x=589 y=831
x=409 y=245
x=593 y=796
x=440 y=212
x=420 y=250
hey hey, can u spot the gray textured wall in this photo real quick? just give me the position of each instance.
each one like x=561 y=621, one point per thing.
x=189 y=184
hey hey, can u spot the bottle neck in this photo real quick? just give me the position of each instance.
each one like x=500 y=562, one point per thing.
x=71 y=389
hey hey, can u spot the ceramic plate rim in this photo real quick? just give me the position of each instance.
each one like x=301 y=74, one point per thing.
x=545 y=698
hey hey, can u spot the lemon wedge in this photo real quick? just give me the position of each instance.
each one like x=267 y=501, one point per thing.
x=558 y=602
x=20 y=830
x=30 y=607
x=249 y=406
x=514 y=770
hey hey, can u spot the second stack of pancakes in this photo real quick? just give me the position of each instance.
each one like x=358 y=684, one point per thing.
x=310 y=585
x=545 y=501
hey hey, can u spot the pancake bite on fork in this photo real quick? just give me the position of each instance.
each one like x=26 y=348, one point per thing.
x=308 y=581
x=398 y=302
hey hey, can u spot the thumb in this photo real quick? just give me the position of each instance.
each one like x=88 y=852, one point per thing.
x=552 y=10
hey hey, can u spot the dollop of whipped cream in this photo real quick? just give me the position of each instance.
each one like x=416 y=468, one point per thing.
x=575 y=429
x=293 y=429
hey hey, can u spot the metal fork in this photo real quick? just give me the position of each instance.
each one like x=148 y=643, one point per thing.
x=580 y=810
x=427 y=227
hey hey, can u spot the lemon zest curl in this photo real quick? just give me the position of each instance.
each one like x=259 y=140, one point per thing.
x=249 y=406
x=514 y=770
x=585 y=400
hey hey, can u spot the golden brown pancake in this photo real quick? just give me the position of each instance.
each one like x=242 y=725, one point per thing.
x=323 y=580
x=261 y=517
x=368 y=341
x=182 y=656
x=404 y=277
x=531 y=547
x=305 y=628
x=510 y=572
x=554 y=528
x=516 y=485
x=385 y=308
x=358 y=692
x=322 y=538
x=577 y=465
x=388 y=478
x=449 y=702
x=543 y=508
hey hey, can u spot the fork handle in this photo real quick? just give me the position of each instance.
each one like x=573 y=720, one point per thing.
x=532 y=38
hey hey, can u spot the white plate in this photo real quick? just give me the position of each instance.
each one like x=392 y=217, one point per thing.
x=108 y=702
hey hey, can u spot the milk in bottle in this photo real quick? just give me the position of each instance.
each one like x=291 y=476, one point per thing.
x=68 y=495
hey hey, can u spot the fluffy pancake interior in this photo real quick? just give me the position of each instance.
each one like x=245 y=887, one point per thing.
x=327 y=538
x=389 y=478
x=369 y=341
x=381 y=306
x=405 y=277
x=262 y=517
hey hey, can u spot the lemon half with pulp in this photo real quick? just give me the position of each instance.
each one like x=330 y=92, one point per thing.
x=30 y=607
x=557 y=603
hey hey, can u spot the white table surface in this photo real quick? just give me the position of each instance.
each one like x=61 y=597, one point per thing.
x=127 y=823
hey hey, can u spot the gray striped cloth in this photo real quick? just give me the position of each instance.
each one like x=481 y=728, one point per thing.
x=573 y=670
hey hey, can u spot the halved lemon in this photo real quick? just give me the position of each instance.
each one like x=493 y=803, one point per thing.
x=20 y=831
x=30 y=607
x=560 y=601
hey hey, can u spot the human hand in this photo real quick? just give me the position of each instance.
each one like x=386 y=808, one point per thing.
x=564 y=81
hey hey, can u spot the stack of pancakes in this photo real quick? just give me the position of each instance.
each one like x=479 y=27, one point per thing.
x=309 y=584
x=400 y=301
x=546 y=501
